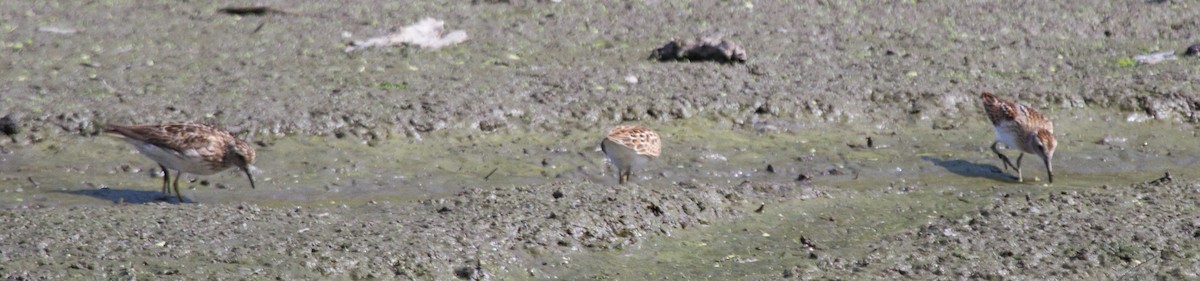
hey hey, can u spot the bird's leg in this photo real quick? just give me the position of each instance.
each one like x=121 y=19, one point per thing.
x=177 y=194
x=1007 y=163
x=166 y=178
x=1019 y=177
x=624 y=176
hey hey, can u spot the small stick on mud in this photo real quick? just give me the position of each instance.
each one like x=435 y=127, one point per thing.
x=760 y=208
x=251 y=11
x=1166 y=178
x=1122 y=277
x=489 y=175
x=35 y=183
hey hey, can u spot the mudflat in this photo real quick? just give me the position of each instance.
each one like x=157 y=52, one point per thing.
x=850 y=144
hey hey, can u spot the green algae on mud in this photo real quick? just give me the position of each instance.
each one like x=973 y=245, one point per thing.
x=1114 y=231
x=482 y=231
x=946 y=183
x=911 y=174
x=316 y=169
x=761 y=246
x=330 y=171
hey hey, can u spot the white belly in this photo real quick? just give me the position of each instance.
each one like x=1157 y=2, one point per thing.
x=622 y=157
x=189 y=162
x=1006 y=137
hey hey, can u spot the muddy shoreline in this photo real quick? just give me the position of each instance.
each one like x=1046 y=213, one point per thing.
x=501 y=233
x=478 y=233
x=379 y=164
x=1118 y=232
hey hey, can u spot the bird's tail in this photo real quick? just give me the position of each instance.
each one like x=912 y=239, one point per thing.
x=121 y=131
x=988 y=97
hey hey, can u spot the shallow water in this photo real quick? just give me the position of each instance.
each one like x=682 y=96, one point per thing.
x=321 y=170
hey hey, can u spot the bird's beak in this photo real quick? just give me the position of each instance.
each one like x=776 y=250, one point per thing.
x=248 y=176
x=1049 y=170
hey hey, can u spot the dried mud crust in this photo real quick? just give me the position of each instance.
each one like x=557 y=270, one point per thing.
x=542 y=66
x=473 y=235
x=1139 y=232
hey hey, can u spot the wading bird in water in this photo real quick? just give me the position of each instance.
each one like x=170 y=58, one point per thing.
x=1021 y=127
x=192 y=148
x=630 y=147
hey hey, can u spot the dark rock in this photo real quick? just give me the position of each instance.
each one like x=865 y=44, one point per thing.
x=1193 y=50
x=803 y=177
x=465 y=273
x=8 y=125
x=491 y=124
x=707 y=48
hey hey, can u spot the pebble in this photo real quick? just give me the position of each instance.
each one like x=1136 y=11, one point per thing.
x=1193 y=50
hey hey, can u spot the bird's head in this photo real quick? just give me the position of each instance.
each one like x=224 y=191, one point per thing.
x=241 y=154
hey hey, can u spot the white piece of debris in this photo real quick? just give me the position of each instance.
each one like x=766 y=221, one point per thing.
x=57 y=30
x=1155 y=57
x=427 y=33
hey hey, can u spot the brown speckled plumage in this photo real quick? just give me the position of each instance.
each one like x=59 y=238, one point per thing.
x=1002 y=112
x=629 y=147
x=192 y=148
x=1021 y=127
x=636 y=137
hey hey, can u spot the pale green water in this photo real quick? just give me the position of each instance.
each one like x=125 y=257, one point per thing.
x=320 y=170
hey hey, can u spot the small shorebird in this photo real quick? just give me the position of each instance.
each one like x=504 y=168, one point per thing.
x=630 y=147
x=193 y=148
x=1021 y=127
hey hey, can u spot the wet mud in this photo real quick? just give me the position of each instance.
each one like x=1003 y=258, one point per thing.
x=480 y=160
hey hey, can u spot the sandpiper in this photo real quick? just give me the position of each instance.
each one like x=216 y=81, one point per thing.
x=1020 y=126
x=193 y=148
x=629 y=147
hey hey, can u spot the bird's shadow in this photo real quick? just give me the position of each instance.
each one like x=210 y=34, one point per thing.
x=127 y=196
x=970 y=169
